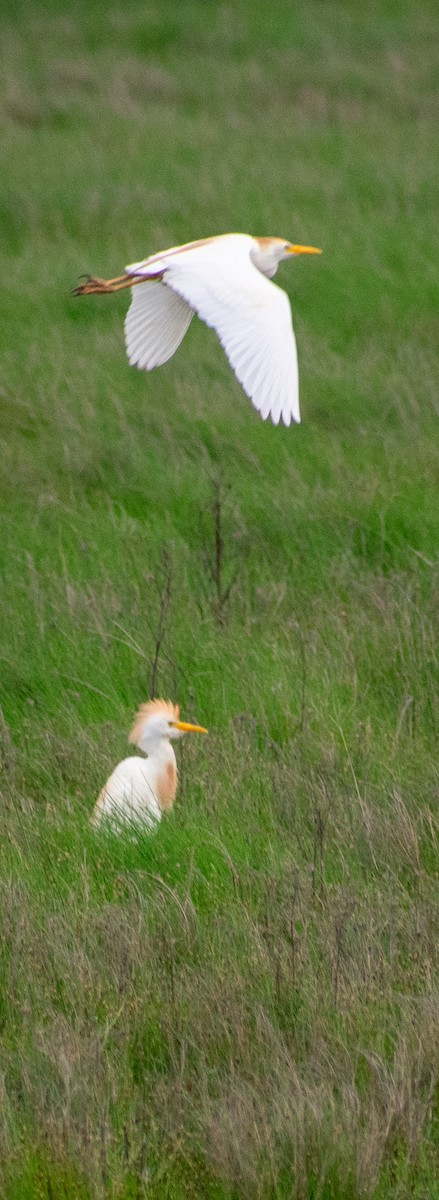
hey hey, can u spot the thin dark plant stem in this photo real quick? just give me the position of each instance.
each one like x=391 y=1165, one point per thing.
x=216 y=558
x=165 y=595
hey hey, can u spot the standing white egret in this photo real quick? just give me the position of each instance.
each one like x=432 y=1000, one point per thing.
x=139 y=790
x=225 y=280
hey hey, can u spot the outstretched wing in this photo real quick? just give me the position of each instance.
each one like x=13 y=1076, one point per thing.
x=155 y=324
x=251 y=316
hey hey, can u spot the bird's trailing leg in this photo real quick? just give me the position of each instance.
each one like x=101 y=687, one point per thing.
x=94 y=286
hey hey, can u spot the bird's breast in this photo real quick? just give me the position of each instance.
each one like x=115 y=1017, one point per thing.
x=166 y=785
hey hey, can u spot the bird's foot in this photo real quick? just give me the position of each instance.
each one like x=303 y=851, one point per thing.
x=95 y=286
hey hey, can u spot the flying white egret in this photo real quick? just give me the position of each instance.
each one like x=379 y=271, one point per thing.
x=225 y=280
x=139 y=790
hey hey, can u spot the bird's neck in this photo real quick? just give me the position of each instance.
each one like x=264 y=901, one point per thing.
x=265 y=255
x=159 y=750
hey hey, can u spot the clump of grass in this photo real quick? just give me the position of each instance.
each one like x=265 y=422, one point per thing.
x=202 y=993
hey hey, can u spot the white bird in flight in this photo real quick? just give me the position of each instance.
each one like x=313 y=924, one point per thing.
x=139 y=790
x=226 y=280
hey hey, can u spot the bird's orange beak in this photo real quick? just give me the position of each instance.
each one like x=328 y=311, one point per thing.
x=304 y=250
x=186 y=728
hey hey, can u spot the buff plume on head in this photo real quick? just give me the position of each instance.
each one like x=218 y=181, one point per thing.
x=152 y=708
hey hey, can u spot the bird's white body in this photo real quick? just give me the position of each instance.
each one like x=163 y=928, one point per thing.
x=227 y=281
x=132 y=793
x=140 y=790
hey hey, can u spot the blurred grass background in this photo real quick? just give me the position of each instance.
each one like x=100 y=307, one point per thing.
x=244 y=1005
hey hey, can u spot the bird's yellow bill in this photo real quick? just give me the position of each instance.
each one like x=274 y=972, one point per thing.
x=304 y=250
x=186 y=728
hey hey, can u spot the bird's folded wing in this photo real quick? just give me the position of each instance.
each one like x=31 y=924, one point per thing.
x=252 y=318
x=155 y=324
x=128 y=795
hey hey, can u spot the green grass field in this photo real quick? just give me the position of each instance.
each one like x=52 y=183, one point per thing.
x=245 y=1005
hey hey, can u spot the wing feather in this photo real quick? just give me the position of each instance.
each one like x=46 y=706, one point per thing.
x=251 y=316
x=155 y=324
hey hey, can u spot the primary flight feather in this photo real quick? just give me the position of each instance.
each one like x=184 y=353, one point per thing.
x=227 y=281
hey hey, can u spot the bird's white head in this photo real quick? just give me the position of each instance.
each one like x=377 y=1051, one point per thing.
x=269 y=252
x=157 y=721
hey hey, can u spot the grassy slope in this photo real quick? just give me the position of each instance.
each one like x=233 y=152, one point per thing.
x=267 y=1027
